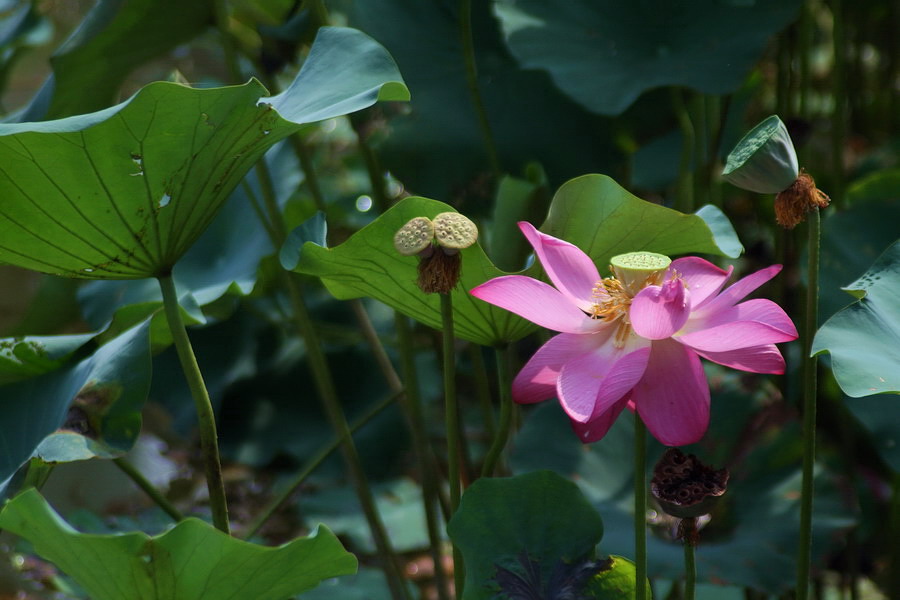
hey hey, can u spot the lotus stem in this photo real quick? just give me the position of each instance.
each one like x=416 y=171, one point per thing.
x=504 y=382
x=804 y=551
x=468 y=46
x=424 y=454
x=690 y=563
x=206 y=418
x=453 y=431
x=154 y=494
x=684 y=199
x=640 y=508
x=311 y=465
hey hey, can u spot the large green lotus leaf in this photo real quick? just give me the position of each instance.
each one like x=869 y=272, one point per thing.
x=122 y=193
x=114 y=38
x=539 y=517
x=367 y=264
x=192 y=561
x=24 y=357
x=879 y=415
x=435 y=146
x=604 y=53
x=863 y=339
x=602 y=218
x=853 y=238
x=224 y=260
x=92 y=408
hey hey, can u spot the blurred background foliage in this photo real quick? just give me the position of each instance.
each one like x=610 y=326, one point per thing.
x=651 y=93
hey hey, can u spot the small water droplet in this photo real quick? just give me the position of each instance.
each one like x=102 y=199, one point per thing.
x=88 y=270
x=164 y=201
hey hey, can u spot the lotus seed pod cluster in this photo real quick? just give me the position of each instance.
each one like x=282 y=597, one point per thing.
x=437 y=243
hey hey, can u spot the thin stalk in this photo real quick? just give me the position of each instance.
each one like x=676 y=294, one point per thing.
x=684 y=200
x=328 y=396
x=206 y=418
x=375 y=345
x=229 y=51
x=338 y=420
x=838 y=85
x=309 y=171
x=318 y=11
x=804 y=552
x=424 y=455
x=453 y=429
x=640 y=508
x=482 y=389
x=311 y=465
x=504 y=383
x=142 y=482
x=804 y=56
x=894 y=570
x=690 y=563
x=468 y=47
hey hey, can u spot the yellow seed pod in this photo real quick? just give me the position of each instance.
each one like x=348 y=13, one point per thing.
x=414 y=237
x=454 y=231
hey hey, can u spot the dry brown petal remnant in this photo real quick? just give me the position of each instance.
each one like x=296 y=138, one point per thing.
x=792 y=204
x=439 y=272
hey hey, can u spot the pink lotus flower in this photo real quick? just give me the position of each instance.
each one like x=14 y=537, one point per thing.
x=636 y=340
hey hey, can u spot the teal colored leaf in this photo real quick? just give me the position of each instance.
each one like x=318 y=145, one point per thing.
x=853 y=238
x=114 y=38
x=435 y=145
x=863 y=339
x=604 y=54
x=192 y=561
x=92 y=408
x=312 y=230
x=879 y=415
x=367 y=264
x=124 y=192
x=24 y=357
x=602 y=218
x=537 y=518
x=593 y=212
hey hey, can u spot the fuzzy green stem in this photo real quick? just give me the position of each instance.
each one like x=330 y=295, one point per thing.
x=375 y=346
x=684 y=200
x=453 y=430
x=206 y=418
x=482 y=390
x=328 y=396
x=309 y=171
x=894 y=581
x=318 y=11
x=804 y=550
x=468 y=47
x=142 y=482
x=310 y=467
x=690 y=563
x=839 y=93
x=229 y=50
x=424 y=454
x=504 y=382
x=640 y=508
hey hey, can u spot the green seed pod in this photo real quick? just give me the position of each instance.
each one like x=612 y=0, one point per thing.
x=764 y=161
x=414 y=237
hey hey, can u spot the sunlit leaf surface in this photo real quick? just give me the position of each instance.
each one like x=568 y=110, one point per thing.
x=192 y=561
